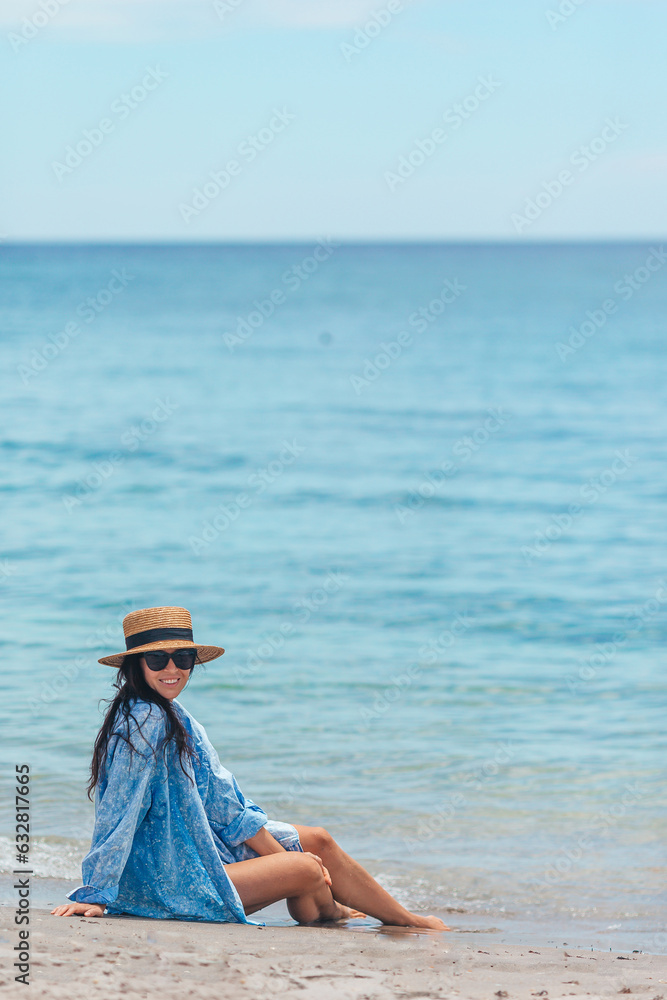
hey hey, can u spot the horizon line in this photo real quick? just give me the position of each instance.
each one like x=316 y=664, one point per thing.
x=484 y=241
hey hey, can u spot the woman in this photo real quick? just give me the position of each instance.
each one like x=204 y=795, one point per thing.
x=174 y=835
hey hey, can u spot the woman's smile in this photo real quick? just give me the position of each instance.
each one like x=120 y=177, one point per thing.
x=168 y=682
x=169 y=685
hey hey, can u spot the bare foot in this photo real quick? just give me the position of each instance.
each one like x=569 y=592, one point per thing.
x=434 y=923
x=344 y=913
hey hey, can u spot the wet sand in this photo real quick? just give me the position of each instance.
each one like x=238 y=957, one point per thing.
x=135 y=958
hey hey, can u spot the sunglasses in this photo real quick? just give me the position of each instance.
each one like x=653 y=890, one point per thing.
x=157 y=659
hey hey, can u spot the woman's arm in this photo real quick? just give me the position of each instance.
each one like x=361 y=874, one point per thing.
x=265 y=843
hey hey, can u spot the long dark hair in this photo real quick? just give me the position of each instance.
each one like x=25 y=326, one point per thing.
x=130 y=685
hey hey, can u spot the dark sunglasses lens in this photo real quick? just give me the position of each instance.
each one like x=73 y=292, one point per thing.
x=185 y=658
x=157 y=659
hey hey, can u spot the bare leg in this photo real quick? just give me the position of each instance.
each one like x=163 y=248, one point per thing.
x=288 y=875
x=352 y=885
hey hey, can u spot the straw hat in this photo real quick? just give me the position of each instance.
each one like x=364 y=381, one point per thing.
x=159 y=628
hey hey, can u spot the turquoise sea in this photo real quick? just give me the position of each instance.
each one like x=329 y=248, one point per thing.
x=418 y=494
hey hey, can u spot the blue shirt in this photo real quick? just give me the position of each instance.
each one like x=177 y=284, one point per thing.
x=160 y=843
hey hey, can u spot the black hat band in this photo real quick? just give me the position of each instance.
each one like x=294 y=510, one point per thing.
x=157 y=635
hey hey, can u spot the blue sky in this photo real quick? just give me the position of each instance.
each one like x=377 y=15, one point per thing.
x=332 y=94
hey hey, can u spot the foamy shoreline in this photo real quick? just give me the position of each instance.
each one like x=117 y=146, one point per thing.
x=139 y=958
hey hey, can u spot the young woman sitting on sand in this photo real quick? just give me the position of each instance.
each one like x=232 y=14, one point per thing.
x=174 y=835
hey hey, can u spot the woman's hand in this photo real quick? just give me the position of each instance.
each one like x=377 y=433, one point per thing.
x=327 y=876
x=85 y=909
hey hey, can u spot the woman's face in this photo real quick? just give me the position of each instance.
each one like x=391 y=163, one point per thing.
x=168 y=682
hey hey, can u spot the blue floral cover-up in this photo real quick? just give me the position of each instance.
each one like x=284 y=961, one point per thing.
x=160 y=845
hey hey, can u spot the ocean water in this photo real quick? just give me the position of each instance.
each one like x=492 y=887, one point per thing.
x=418 y=494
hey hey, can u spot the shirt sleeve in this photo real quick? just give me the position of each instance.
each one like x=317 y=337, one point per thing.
x=120 y=809
x=232 y=816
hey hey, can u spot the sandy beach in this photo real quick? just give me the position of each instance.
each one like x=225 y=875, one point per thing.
x=136 y=958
